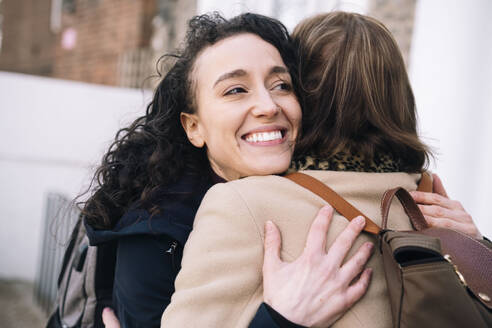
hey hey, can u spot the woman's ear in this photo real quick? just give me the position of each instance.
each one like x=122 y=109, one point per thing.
x=191 y=126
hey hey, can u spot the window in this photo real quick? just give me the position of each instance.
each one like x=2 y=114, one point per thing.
x=55 y=19
x=69 y=6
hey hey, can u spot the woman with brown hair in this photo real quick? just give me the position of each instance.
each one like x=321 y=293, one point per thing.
x=360 y=110
x=359 y=137
x=360 y=107
x=227 y=108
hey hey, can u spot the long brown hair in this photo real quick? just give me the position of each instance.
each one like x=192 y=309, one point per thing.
x=357 y=96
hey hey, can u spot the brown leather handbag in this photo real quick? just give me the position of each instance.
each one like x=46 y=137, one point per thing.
x=435 y=277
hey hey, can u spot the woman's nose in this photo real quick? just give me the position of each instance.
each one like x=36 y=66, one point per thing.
x=265 y=105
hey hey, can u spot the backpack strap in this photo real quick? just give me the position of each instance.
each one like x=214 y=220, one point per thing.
x=340 y=204
x=69 y=251
x=334 y=199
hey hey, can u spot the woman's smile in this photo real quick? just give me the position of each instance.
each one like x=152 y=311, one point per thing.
x=266 y=136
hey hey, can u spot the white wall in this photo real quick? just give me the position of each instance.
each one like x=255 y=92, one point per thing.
x=451 y=73
x=51 y=133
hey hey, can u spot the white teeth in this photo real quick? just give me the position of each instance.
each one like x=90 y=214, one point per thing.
x=264 y=136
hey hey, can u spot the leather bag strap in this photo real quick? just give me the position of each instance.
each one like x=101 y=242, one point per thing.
x=409 y=206
x=425 y=183
x=334 y=199
x=349 y=211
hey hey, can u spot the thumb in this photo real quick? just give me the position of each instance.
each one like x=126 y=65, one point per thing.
x=271 y=256
x=109 y=318
x=437 y=186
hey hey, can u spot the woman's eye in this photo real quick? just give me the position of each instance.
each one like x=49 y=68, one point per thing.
x=282 y=86
x=235 y=91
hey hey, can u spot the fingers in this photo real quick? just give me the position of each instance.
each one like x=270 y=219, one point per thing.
x=429 y=198
x=442 y=212
x=273 y=241
x=437 y=186
x=358 y=289
x=345 y=240
x=356 y=264
x=468 y=228
x=109 y=318
x=316 y=239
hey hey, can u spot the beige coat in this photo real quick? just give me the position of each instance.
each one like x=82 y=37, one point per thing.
x=220 y=283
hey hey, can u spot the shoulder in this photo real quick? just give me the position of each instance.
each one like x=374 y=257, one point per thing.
x=224 y=205
x=248 y=189
x=242 y=196
x=240 y=206
x=177 y=205
x=231 y=209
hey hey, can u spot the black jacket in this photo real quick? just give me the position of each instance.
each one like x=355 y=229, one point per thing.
x=149 y=253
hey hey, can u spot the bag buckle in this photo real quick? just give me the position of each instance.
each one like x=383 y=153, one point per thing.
x=448 y=258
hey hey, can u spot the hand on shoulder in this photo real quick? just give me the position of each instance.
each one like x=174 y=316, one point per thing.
x=316 y=289
x=442 y=212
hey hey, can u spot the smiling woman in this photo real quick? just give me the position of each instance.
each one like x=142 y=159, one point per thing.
x=227 y=108
x=248 y=114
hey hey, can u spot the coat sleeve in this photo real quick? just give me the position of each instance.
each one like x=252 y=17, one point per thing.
x=220 y=277
x=266 y=317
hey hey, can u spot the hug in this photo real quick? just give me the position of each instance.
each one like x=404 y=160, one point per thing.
x=200 y=225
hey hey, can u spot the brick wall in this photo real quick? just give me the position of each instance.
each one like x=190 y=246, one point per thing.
x=108 y=42
x=104 y=30
x=110 y=31
x=28 y=43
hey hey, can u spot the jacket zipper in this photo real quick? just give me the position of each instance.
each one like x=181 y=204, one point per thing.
x=172 y=251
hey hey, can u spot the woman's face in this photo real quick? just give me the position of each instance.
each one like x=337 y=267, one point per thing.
x=247 y=113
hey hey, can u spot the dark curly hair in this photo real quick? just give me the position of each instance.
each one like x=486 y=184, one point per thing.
x=154 y=151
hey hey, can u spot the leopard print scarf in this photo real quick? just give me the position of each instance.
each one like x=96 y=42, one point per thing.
x=347 y=162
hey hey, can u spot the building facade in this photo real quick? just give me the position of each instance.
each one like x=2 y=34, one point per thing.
x=118 y=42
x=110 y=42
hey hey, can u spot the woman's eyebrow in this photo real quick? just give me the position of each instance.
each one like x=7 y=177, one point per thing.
x=241 y=72
x=228 y=75
x=278 y=70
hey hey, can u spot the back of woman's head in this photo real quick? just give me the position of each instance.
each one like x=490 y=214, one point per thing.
x=357 y=96
x=154 y=151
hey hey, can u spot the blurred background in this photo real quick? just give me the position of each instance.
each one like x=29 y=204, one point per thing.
x=72 y=72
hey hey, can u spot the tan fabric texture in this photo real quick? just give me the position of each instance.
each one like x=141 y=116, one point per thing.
x=220 y=282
